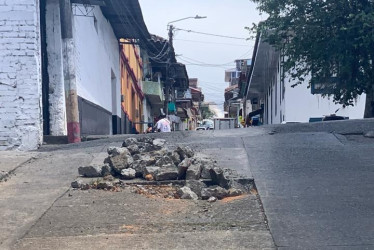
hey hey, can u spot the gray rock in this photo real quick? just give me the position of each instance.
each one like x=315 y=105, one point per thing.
x=187 y=193
x=147 y=147
x=106 y=170
x=150 y=170
x=196 y=186
x=128 y=173
x=147 y=159
x=185 y=152
x=145 y=140
x=104 y=185
x=235 y=185
x=159 y=142
x=133 y=149
x=139 y=167
x=90 y=171
x=117 y=151
x=235 y=192
x=85 y=186
x=215 y=191
x=193 y=172
x=119 y=162
x=212 y=199
x=129 y=141
x=222 y=177
x=167 y=172
x=182 y=168
x=206 y=165
x=369 y=134
x=164 y=161
x=175 y=157
x=77 y=184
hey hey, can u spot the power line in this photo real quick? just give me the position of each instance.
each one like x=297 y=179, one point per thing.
x=228 y=44
x=223 y=64
x=209 y=34
x=186 y=62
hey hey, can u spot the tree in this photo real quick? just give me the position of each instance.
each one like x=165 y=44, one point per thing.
x=331 y=40
x=206 y=112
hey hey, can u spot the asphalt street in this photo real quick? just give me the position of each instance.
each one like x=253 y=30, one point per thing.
x=315 y=182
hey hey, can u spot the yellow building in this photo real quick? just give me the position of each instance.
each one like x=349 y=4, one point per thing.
x=131 y=93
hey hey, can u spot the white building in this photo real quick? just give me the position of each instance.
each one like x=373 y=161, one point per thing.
x=283 y=103
x=32 y=92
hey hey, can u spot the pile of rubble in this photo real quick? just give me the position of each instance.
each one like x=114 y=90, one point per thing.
x=196 y=175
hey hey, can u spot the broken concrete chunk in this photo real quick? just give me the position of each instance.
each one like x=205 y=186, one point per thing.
x=159 y=142
x=187 y=193
x=117 y=151
x=193 y=172
x=182 y=168
x=128 y=173
x=77 y=184
x=147 y=159
x=235 y=192
x=212 y=199
x=104 y=185
x=150 y=171
x=206 y=166
x=236 y=185
x=222 y=177
x=85 y=186
x=133 y=149
x=215 y=191
x=145 y=140
x=147 y=147
x=106 y=170
x=129 y=141
x=138 y=166
x=164 y=160
x=185 y=152
x=119 y=162
x=175 y=157
x=90 y=171
x=167 y=172
x=196 y=186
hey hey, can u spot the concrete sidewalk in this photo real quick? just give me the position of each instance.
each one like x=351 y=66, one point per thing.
x=11 y=160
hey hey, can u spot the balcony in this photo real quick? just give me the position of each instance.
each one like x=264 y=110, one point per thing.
x=153 y=92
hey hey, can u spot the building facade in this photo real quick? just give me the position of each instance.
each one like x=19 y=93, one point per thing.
x=131 y=89
x=270 y=89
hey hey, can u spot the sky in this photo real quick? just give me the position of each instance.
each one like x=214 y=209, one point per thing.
x=212 y=54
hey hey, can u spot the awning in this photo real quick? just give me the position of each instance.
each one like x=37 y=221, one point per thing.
x=126 y=18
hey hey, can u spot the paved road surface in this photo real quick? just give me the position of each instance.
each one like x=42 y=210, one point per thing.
x=316 y=188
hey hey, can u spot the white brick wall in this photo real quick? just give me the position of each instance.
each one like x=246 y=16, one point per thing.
x=20 y=75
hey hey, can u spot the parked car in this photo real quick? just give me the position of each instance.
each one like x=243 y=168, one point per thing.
x=206 y=124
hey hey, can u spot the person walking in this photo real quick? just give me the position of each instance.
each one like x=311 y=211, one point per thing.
x=163 y=125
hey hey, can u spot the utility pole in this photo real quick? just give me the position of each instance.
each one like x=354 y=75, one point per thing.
x=169 y=81
x=71 y=97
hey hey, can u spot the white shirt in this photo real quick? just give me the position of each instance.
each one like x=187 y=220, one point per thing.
x=164 y=125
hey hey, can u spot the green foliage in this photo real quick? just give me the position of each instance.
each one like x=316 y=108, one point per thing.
x=331 y=39
x=206 y=112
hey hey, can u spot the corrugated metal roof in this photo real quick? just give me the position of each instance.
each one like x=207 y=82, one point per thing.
x=126 y=19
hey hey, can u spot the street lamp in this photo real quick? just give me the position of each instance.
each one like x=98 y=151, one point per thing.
x=190 y=17
x=171 y=27
x=171 y=53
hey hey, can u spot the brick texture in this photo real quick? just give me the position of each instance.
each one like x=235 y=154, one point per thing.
x=20 y=75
